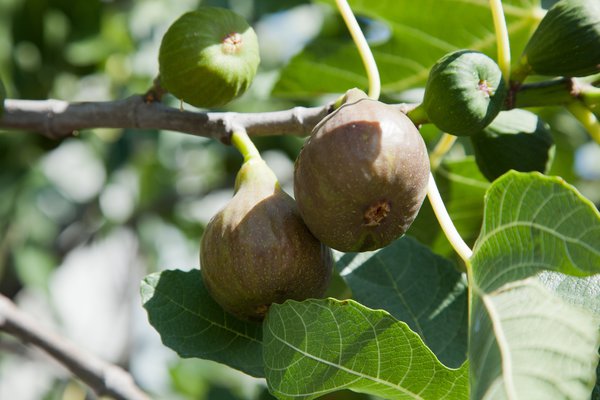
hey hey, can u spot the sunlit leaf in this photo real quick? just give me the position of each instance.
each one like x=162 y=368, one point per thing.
x=527 y=342
x=319 y=346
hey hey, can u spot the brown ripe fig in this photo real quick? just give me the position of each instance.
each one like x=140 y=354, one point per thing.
x=361 y=177
x=257 y=250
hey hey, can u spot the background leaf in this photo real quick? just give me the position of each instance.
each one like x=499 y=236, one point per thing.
x=320 y=346
x=533 y=223
x=420 y=33
x=191 y=323
x=418 y=287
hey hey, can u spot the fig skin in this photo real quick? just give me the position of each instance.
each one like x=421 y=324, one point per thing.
x=566 y=42
x=361 y=177
x=465 y=91
x=208 y=57
x=257 y=250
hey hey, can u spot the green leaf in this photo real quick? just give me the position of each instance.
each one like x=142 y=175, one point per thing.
x=583 y=292
x=516 y=139
x=415 y=286
x=534 y=223
x=191 y=323
x=421 y=32
x=528 y=344
x=319 y=346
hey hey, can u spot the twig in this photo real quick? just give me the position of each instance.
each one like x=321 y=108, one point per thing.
x=364 y=50
x=502 y=39
x=446 y=223
x=587 y=118
x=104 y=378
x=58 y=119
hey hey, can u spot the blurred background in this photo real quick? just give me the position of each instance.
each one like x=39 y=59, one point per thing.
x=83 y=220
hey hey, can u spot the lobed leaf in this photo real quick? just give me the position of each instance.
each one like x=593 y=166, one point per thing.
x=525 y=341
x=415 y=286
x=319 y=346
x=191 y=323
x=534 y=223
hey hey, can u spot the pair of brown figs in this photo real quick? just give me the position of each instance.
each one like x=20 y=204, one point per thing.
x=360 y=180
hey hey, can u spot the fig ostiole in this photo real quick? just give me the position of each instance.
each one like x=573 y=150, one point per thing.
x=566 y=42
x=257 y=250
x=208 y=57
x=465 y=91
x=361 y=176
x=516 y=139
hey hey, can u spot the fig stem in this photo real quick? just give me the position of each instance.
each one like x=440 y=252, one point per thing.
x=363 y=48
x=241 y=141
x=417 y=115
x=446 y=223
x=587 y=118
x=502 y=40
x=441 y=148
x=547 y=93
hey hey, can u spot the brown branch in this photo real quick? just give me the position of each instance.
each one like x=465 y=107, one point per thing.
x=57 y=119
x=104 y=378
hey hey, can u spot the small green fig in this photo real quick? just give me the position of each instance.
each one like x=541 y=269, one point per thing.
x=208 y=57
x=567 y=41
x=464 y=92
x=257 y=250
x=516 y=139
x=361 y=177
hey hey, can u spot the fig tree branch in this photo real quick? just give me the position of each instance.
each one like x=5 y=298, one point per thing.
x=104 y=378
x=58 y=119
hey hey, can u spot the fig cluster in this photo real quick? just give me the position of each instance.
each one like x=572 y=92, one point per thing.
x=360 y=180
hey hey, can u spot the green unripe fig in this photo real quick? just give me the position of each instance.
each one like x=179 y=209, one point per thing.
x=257 y=250
x=361 y=177
x=567 y=41
x=208 y=57
x=516 y=139
x=464 y=92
